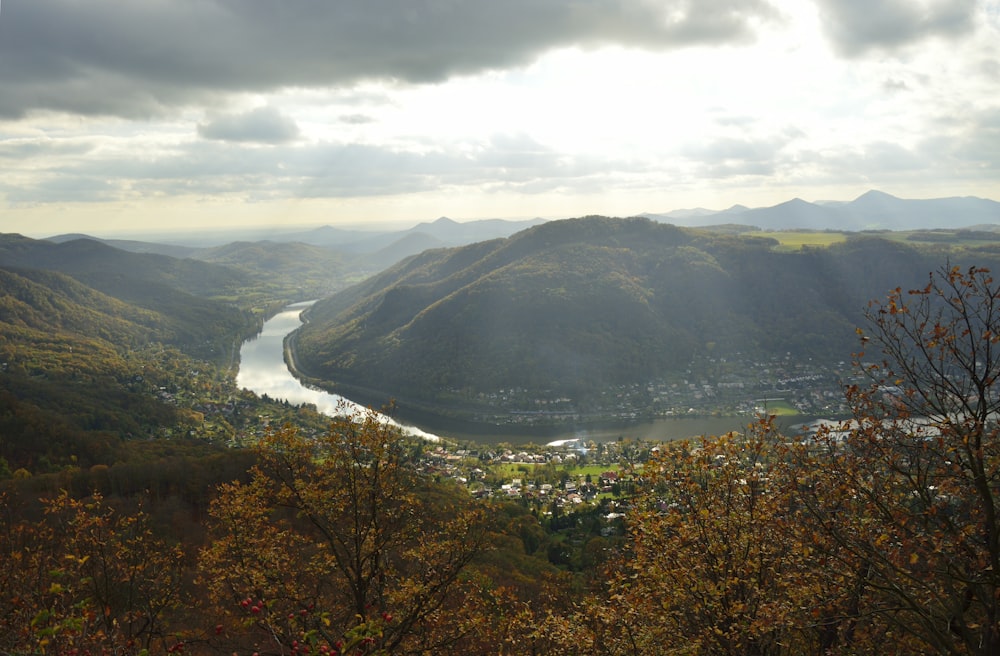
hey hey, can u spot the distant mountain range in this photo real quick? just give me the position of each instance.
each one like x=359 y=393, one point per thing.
x=373 y=250
x=874 y=210
x=367 y=251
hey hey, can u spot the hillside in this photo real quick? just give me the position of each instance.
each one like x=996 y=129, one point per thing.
x=190 y=298
x=73 y=376
x=573 y=307
x=285 y=270
x=89 y=379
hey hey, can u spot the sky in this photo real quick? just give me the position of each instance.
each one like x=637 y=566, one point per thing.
x=125 y=116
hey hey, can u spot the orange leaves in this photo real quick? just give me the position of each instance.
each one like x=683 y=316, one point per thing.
x=911 y=504
x=85 y=582
x=342 y=521
x=715 y=566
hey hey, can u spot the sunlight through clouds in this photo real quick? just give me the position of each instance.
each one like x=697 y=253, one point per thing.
x=596 y=107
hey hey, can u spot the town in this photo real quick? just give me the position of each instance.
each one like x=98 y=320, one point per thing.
x=709 y=387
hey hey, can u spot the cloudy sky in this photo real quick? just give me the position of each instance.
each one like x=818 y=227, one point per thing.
x=128 y=115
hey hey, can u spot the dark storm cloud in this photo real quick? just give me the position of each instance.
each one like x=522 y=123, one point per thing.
x=858 y=26
x=261 y=125
x=141 y=58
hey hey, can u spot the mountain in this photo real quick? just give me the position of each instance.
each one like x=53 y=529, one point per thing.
x=873 y=210
x=291 y=270
x=41 y=305
x=580 y=305
x=883 y=211
x=188 y=295
x=453 y=233
x=443 y=232
x=259 y=251
x=131 y=245
x=79 y=372
x=90 y=260
x=410 y=244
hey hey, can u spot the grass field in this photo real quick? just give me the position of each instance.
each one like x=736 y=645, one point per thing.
x=781 y=408
x=515 y=470
x=793 y=240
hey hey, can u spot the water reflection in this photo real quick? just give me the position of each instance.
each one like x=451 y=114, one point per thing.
x=263 y=370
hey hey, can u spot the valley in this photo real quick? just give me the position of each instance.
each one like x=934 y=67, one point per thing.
x=536 y=330
x=653 y=413
x=531 y=380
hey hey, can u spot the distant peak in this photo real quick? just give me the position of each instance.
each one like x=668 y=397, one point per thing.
x=444 y=221
x=874 y=194
x=71 y=236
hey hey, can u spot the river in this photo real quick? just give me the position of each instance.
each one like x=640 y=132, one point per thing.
x=263 y=371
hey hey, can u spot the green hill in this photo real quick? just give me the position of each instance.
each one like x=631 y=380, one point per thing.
x=580 y=305
x=74 y=378
x=287 y=270
x=192 y=300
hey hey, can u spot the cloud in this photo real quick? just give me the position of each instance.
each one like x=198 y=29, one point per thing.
x=26 y=149
x=856 y=27
x=728 y=157
x=312 y=170
x=893 y=85
x=356 y=119
x=142 y=59
x=976 y=146
x=261 y=125
x=58 y=189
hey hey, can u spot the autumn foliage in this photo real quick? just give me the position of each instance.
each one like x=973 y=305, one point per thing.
x=336 y=541
x=86 y=580
x=878 y=534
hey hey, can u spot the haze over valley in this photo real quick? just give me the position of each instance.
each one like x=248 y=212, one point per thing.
x=534 y=324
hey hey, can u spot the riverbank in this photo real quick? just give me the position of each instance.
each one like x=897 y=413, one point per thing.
x=281 y=376
x=520 y=427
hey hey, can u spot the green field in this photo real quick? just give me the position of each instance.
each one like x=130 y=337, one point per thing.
x=781 y=408
x=793 y=240
x=517 y=470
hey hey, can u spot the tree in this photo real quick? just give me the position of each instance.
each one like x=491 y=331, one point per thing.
x=86 y=579
x=338 y=541
x=907 y=497
x=713 y=561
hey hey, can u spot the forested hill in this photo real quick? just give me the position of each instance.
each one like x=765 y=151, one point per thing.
x=587 y=303
x=76 y=372
x=93 y=263
x=187 y=297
